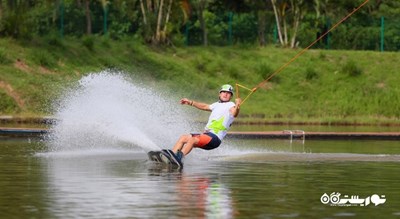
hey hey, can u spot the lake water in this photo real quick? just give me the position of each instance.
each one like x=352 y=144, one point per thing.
x=241 y=179
x=93 y=165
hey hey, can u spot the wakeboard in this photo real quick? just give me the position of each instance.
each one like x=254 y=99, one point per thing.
x=165 y=156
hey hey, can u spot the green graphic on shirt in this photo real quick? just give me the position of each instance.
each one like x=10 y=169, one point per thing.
x=217 y=126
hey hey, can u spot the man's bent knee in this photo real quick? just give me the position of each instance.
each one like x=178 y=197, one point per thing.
x=184 y=138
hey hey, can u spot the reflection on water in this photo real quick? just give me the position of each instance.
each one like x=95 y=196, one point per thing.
x=243 y=179
x=126 y=185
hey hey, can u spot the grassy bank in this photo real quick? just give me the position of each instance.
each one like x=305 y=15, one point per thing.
x=320 y=86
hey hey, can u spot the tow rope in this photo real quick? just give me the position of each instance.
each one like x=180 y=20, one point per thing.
x=252 y=90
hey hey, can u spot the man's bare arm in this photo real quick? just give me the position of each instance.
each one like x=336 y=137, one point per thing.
x=235 y=110
x=198 y=105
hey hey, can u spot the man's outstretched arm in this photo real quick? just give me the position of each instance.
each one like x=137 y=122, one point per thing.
x=198 y=105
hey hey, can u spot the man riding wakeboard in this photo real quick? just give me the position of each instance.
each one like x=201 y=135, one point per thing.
x=222 y=115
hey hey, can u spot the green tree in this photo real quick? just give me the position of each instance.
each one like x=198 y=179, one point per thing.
x=289 y=15
x=157 y=16
x=201 y=6
x=262 y=9
x=14 y=18
x=88 y=17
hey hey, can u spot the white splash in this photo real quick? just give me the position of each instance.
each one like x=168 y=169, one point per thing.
x=108 y=110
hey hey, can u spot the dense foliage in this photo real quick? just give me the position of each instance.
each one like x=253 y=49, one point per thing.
x=209 y=22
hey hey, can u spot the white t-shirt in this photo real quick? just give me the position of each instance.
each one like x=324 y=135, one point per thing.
x=220 y=119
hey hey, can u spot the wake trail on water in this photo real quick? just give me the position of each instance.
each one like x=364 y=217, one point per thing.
x=109 y=110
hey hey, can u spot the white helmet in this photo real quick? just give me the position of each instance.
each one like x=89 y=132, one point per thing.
x=227 y=88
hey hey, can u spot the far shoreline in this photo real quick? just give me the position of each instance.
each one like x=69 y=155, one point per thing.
x=32 y=121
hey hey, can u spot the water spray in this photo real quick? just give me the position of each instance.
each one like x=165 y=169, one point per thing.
x=107 y=109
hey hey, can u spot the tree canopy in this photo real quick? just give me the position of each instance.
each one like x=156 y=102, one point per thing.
x=288 y=23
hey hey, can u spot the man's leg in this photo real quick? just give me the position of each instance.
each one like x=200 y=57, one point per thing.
x=181 y=141
x=189 y=145
x=185 y=144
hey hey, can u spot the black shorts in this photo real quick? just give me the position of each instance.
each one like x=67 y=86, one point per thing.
x=207 y=141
